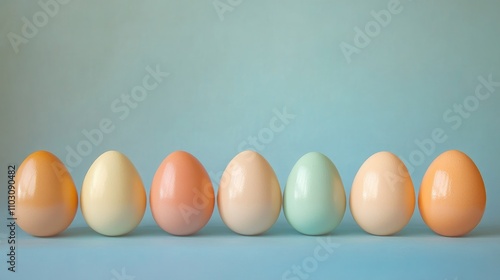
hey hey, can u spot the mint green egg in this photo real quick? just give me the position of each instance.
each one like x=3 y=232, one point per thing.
x=314 y=200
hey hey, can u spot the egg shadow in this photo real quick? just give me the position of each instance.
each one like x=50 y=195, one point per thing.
x=481 y=232
x=413 y=231
x=422 y=231
x=356 y=231
x=80 y=232
x=142 y=231
x=222 y=230
x=281 y=230
x=76 y=232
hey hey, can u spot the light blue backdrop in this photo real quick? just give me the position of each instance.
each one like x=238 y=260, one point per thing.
x=345 y=78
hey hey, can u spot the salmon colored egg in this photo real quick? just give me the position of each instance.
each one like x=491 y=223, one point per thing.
x=113 y=198
x=181 y=197
x=249 y=196
x=382 y=197
x=452 y=196
x=46 y=196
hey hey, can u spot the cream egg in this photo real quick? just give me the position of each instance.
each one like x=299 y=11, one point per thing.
x=113 y=198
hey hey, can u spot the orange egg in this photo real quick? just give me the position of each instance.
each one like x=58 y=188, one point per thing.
x=181 y=197
x=452 y=196
x=46 y=197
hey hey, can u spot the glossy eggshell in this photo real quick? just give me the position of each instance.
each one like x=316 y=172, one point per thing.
x=249 y=196
x=181 y=196
x=382 y=197
x=452 y=196
x=113 y=198
x=314 y=198
x=46 y=197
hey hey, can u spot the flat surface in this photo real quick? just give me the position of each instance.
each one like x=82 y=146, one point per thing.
x=217 y=253
x=281 y=77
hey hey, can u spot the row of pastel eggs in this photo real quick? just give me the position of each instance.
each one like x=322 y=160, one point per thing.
x=451 y=200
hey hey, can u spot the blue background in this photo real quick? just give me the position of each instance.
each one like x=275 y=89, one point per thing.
x=228 y=76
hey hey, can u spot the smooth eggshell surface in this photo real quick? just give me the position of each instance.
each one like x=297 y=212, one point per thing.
x=181 y=197
x=113 y=198
x=382 y=197
x=46 y=196
x=249 y=196
x=452 y=196
x=314 y=198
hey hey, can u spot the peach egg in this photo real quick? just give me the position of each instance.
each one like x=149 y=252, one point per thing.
x=249 y=196
x=382 y=196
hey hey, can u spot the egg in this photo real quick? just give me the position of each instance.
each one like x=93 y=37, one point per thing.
x=382 y=197
x=181 y=197
x=249 y=195
x=46 y=199
x=113 y=199
x=452 y=196
x=314 y=199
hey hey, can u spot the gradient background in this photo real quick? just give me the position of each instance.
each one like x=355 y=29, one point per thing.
x=228 y=76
